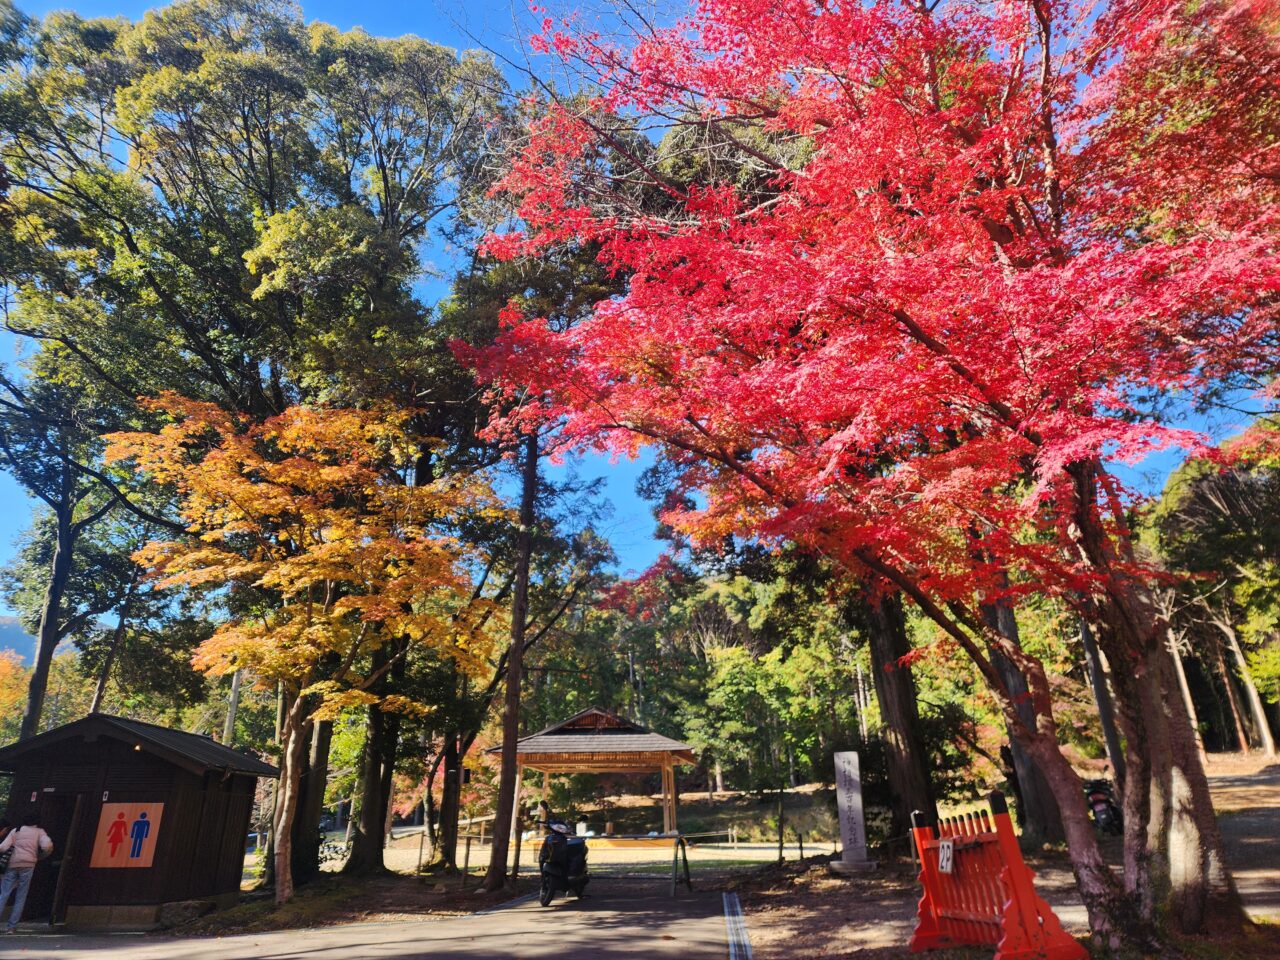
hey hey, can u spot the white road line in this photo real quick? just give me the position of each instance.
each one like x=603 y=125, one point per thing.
x=735 y=927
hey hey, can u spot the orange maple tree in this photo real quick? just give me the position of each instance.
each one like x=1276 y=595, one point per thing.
x=310 y=530
x=13 y=685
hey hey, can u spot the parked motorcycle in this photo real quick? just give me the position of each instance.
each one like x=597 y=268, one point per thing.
x=562 y=861
x=1102 y=801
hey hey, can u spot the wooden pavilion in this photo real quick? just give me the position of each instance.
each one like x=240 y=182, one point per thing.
x=598 y=741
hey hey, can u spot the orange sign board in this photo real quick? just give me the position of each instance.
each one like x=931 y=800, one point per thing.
x=126 y=835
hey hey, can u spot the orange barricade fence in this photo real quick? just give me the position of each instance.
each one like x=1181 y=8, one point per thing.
x=978 y=891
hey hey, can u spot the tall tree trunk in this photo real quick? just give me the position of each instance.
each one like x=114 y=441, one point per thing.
x=233 y=707
x=269 y=861
x=449 y=802
x=377 y=765
x=863 y=701
x=109 y=658
x=1113 y=922
x=1041 y=819
x=368 y=838
x=496 y=877
x=48 y=634
x=886 y=629
x=294 y=738
x=306 y=830
x=1102 y=697
x=1185 y=847
x=1233 y=702
x=1184 y=688
x=430 y=813
x=1265 y=739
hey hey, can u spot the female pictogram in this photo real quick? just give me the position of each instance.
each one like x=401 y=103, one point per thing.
x=116 y=834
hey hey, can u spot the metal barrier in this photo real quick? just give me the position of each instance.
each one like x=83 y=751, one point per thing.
x=979 y=891
x=680 y=851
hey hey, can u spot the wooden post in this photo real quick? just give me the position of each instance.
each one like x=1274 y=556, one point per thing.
x=667 y=825
x=515 y=822
x=519 y=836
x=675 y=799
x=781 y=823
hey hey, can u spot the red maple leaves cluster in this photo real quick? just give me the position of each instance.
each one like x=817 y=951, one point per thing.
x=902 y=278
x=971 y=278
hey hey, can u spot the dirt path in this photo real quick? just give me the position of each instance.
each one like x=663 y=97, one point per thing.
x=794 y=914
x=1249 y=815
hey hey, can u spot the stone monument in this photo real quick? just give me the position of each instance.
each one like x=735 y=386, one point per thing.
x=853 y=825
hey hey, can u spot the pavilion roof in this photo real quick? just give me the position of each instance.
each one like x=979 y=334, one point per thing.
x=599 y=741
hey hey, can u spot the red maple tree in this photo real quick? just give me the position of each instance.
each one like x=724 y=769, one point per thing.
x=902 y=277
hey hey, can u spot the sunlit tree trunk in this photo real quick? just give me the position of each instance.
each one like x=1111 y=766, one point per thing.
x=1184 y=688
x=496 y=877
x=294 y=737
x=315 y=777
x=1102 y=697
x=1184 y=856
x=1233 y=702
x=1256 y=710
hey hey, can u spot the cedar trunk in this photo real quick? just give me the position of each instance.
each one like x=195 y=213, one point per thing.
x=48 y=634
x=886 y=629
x=1041 y=818
x=447 y=850
x=496 y=877
x=369 y=836
x=1256 y=710
x=109 y=658
x=306 y=828
x=294 y=736
x=1233 y=704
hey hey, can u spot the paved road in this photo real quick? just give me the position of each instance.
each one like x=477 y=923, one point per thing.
x=622 y=925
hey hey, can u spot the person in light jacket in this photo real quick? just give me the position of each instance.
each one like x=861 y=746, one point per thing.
x=29 y=843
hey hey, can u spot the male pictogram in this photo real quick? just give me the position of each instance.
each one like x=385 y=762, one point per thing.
x=116 y=833
x=139 y=831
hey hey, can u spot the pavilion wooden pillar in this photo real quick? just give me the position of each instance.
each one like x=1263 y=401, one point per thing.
x=515 y=825
x=675 y=797
x=668 y=798
x=666 y=810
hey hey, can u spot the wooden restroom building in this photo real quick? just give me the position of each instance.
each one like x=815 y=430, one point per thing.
x=147 y=822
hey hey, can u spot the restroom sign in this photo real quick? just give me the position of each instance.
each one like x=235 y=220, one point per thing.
x=127 y=834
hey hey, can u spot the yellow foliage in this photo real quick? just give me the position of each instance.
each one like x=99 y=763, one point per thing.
x=13 y=684
x=304 y=523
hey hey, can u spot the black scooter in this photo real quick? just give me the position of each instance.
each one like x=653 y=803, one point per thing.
x=1102 y=801
x=562 y=861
